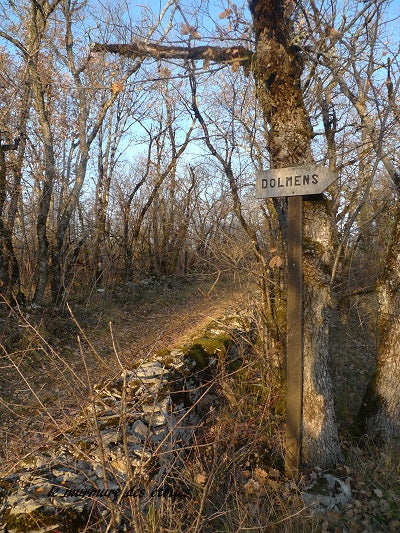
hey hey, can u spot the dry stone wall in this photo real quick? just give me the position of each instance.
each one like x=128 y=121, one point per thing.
x=126 y=447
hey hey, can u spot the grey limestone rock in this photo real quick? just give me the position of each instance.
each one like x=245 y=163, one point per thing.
x=91 y=463
x=327 y=493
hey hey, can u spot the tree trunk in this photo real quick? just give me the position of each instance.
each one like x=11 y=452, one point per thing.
x=320 y=437
x=17 y=162
x=43 y=243
x=37 y=28
x=380 y=412
x=4 y=261
x=277 y=69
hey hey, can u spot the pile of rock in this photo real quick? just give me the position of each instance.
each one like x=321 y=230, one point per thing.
x=126 y=444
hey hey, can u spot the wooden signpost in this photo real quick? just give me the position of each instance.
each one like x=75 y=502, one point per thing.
x=294 y=182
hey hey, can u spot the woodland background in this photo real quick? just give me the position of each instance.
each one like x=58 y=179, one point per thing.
x=106 y=175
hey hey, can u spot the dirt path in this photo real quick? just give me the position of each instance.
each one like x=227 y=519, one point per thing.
x=43 y=388
x=166 y=323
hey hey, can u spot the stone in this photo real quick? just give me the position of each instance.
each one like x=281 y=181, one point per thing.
x=151 y=372
x=139 y=430
x=75 y=461
x=155 y=419
x=120 y=465
x=159 y=435
x=141 y=452
x=23 y=504
x=326 y=493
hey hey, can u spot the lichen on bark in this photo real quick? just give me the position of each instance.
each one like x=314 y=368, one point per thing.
x=320 y=436
x=379 y=415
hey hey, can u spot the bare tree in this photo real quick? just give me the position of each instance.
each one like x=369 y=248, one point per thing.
x=36 y=28
x=15 y=99
x=354 y=61
x=277 y=65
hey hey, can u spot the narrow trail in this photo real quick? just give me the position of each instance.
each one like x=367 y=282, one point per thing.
x=43 y=388
x=142 y=332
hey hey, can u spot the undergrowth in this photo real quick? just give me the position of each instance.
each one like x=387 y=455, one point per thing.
x=234 y=466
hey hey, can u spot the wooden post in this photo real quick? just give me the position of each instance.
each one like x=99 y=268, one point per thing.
x=294 y=351
x=294 y=182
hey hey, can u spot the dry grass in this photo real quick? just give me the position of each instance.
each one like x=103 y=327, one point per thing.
x=42 y=379
x=233 y=467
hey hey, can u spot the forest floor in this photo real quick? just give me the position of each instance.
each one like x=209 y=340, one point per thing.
x=51 y=358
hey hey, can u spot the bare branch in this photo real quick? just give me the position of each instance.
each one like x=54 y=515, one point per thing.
x=216 y=54
x=15 y=42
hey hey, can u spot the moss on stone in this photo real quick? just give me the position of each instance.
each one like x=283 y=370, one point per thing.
x=198 y=355
x=29 y=462
x=213 y=345
x=161 y=354
x=202 y=348
x=72 y=521
x=167 y=360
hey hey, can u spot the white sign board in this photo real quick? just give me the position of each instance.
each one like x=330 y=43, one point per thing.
x=294 y=181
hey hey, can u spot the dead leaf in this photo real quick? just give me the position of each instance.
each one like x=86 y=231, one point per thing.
x=275 y=262
x=201 y=479
x=164 y=72
x=187 y=29
x=117 y=87
x=333 y=516
x=260 y=475
x=274 y=473
x=394 y=525
x=275 y=485
x=334 y=35
x=206 y=64
x=225 y=13
x=251 y=487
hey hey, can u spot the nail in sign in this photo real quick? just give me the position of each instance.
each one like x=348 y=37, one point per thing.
x=293 y=181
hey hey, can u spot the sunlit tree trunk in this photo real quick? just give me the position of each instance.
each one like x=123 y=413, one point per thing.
x=379 y=415
x=277 y=69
